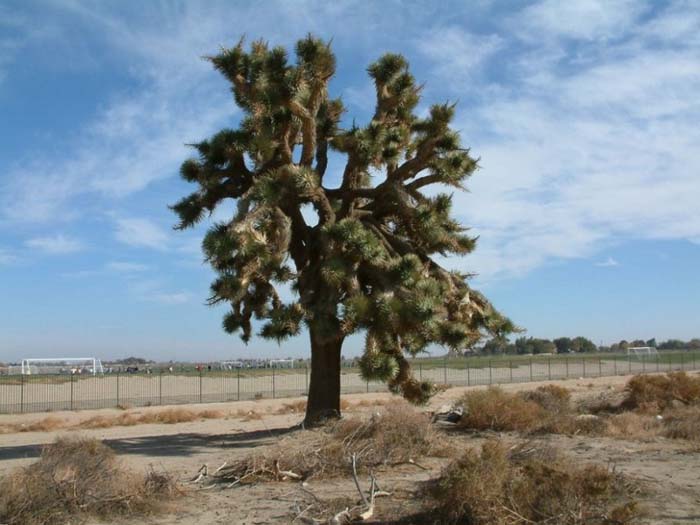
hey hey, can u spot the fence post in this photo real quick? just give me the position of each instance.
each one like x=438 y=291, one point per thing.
x=72 y=380
x=549 y=368
x=629 y=362
x=490 y=372
x=600 y=367
x=510 y=367
x=644 y=365
x=682 y=362
x=531 y=369
x=615 y=365
x=469 y=379
x=583 y=360
x=273 y=383
x=21 y=393
x=160 y=387
x=200 y=386
x=306 y=378
x=117 y=388
x=444 y=364
x=657 y=362
x=420 y=371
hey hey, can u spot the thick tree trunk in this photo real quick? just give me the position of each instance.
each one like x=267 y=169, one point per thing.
x=324 y=385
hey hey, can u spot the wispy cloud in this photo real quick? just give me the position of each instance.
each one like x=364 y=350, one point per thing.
x=125 y=267
x=578 y=19
x=141 y=232
x=55 y=245
x=458 y=55
x=584 y=146
x=607 y=263
x=153 y=291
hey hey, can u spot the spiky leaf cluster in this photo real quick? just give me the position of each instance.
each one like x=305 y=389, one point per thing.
x=368 y=264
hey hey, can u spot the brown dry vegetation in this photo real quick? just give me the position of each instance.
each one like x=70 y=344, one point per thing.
x=655 y=393
x=169 y=416
x=75 y=479
x=397 y=434
x=653 y=406
x=501 y=487
x=166 y=416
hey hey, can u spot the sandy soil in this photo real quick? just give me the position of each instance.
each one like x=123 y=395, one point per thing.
x=667 y=470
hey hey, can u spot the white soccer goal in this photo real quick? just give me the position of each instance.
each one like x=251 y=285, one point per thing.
x=642 y=352
x=231 y=365
x=280 y=363
x=62 y=365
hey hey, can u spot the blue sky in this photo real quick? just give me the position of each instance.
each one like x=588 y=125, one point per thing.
x=584 y=114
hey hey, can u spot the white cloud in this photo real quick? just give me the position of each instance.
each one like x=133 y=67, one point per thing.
x=55 y=245
x=458 y=55
x=141 y=232
x=153 y=291
x=608 y=263
x=169 y=298
x=578 y=19
x=125 y=267
x=576 y=158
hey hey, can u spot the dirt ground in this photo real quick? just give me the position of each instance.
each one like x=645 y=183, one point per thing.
x=668 y=471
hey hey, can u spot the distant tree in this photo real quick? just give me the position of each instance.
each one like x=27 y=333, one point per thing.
x=672 y=344
x=651 y=342
x=694 y=344
x=496 y=345
x=364 y=261
x=532 y=345
x=638 y=342
x=581 y=344
x=623 y=345
x=563 y=344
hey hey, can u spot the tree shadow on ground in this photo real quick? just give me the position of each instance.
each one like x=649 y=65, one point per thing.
x=167 y=445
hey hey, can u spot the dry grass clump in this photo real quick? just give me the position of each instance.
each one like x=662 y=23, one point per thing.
x=46 y=424
x=168 y=416
x=501 y=487
x=630 y=425
x=395 y=435
x=682 y=423
x=75 y=479
x=655 y=393
x=552 y=398
x=495 y=409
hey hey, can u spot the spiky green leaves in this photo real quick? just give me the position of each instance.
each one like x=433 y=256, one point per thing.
x=283 y=322
x=367 y=264
x=354 y=241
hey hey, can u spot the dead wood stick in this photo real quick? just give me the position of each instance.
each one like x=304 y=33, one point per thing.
x=357 y=483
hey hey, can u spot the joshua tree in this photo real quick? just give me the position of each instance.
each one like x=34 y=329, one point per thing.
x=366 y=264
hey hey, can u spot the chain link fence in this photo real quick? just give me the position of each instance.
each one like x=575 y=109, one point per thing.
x=40 y=393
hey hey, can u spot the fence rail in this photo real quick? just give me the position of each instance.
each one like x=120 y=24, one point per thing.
x=34 y=393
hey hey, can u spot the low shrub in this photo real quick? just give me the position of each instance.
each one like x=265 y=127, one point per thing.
x=75 y=479
x=655 y=393
x=498 y=487
x=682 y=423
x=552 y=398
x=397 y=434
x=495 y=409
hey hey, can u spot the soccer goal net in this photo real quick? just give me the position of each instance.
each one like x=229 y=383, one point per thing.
x=642 y=352
x=62 y=365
